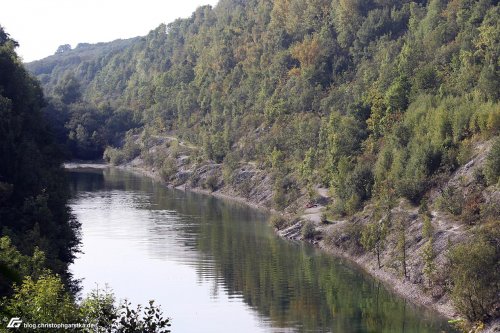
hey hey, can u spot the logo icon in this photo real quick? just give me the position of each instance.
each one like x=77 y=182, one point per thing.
x=14 y=322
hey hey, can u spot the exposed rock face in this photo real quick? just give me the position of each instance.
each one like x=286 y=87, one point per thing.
x=292 y=232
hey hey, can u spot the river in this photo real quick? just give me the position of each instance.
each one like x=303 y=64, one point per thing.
x=215 y=266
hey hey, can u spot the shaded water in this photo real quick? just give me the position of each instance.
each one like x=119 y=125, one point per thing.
x=216 y=266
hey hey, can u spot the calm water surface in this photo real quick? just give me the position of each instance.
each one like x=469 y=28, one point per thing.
x=215 y=265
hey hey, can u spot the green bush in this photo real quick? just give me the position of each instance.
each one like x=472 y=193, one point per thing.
x=338 y=208
x=351 y=237
x=308 y=231
x=277 y=221
x=45 y=300
x=279 y=198
x=168 y=169
x=120 y=156
x=131 y=149
x=147 y=157
x=211 y=183
x=475 y=272
x=285 y=191
x=114 y=156
x=427 y=228
x=47 y=293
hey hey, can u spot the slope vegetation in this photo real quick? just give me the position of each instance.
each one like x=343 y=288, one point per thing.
x=385 y=103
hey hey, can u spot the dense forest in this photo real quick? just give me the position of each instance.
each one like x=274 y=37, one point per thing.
x=39 y=237
x=337 y=92
x=376 y=100
x=35 y=219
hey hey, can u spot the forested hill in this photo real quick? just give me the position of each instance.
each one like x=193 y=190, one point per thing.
x=88 y=58
x=376 y=100
x=359 y=86
x=37 y=231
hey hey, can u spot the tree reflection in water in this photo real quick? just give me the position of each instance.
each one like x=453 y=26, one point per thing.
x=291 y=285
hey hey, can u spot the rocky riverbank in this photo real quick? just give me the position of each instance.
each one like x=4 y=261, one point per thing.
x=260 y=198
x=306 y=219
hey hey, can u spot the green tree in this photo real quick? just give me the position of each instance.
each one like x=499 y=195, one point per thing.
x=99 y=309
x=475 y=275
x=307 y=167
x=428 y=256
x=427 y=228
x=373 y=238
x=492 y=165
x=401 y=246
x=33 y=204
x=44 y=300
x=68 y=89
x=148 y=320
x=14 y=266
x=63 y=48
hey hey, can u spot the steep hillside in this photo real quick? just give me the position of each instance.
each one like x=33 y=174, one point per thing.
x=387 y=104
x=37 y=231
x=85 y=60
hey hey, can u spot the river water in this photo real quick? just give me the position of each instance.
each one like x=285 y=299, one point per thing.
x=216 y=266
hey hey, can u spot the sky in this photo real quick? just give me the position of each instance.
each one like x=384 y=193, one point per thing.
x=40 y=26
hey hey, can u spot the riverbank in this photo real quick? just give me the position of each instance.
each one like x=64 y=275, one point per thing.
x=208 y=248
x=176 y=165
x=403 y=287
x=332 y=238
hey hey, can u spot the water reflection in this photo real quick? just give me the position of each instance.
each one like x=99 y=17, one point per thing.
x=216 y=266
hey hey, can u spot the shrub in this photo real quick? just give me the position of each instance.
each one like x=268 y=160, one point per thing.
x=245 y=187
x=47 y=293
x=339 y=207
x=352 y=236
x=168 y=169
x=131 y=149
x=471 y=211
x=99 y=309
x=285 y=191
x=277 y=221
x=279 y=198
x=114 y=156
x=324 y=218
x=175 y=148
x=412 y=188
x=308 y=231
x=489 y=210
x=353 y=204
x=147 y=319
x=353 y=185
x=373 y=237
x=147 y=157
x=475 y=272
x=211 y=183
